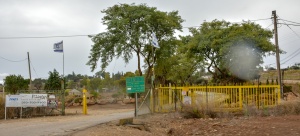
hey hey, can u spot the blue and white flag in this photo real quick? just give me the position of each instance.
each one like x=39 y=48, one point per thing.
x=154 y=40
x=58 y=47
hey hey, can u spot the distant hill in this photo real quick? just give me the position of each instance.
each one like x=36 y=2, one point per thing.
x=288 y=76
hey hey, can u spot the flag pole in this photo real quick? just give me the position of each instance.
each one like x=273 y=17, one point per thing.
x=63 y=65
x=63 y=85
x=58 y=47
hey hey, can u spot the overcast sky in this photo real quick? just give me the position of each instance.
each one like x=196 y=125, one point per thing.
x=36 y=18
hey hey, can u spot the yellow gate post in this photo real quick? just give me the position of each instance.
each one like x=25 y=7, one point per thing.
x=240 y=99
x=84 y=104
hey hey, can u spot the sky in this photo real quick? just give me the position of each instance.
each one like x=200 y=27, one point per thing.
x=43 y=18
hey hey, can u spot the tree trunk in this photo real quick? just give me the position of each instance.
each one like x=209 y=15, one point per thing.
x=139 y=63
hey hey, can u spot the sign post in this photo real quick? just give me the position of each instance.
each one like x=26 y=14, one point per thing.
x=135 y=85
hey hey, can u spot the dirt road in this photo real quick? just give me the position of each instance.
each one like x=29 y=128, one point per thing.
x=61 y=125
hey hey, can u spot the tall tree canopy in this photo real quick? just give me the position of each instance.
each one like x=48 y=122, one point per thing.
x=129 y=29
x=175 y=66
x=228 y=49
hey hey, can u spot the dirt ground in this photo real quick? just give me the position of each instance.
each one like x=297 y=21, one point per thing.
x=174 y=124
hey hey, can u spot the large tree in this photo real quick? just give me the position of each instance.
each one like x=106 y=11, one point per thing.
x=129 y=29
x=229 y=49
x=14 y=83
x=175 y=66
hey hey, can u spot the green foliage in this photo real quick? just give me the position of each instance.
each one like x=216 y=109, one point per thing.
x=115 y=95
x=85 y=82
x=14 y=83
x=287 y=89
x=196 y=112
x=78 y=100
x=129 y=30
x=54 y=81
x=38 y=83
x=95 y=84
x=296 y=66
x=95 y=94
x=213 y=41
x=74 y=77
x=71 y=84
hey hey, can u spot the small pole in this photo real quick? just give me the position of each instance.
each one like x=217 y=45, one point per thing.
x=5 y=109
x=258 y=91
x=3 y=92
x=30 y=83
x=206 y=96
x=175 y=97
x=63 y=97
x=136 y=103
x=21 y=112
x=84 y=103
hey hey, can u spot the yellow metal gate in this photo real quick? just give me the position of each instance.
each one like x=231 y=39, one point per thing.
x=216 y=97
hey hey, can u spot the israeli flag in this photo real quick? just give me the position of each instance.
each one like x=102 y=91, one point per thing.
x=58 y=47
x=154 y=40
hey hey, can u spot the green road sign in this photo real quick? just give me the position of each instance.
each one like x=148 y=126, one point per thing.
x=135 y=84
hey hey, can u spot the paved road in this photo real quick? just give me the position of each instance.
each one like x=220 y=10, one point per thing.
x=56 y=126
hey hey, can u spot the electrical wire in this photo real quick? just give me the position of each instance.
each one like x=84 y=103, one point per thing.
x=295 y=53
x=34 y=69
x=41 y=37
x=269 y=26
x=13 y=60
x=289 y=21
x=288 y=24
x=58 y=36
x=289 y=59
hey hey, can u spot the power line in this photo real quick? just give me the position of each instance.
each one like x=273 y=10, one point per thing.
x=237 y=22
x=34 y=69
x=253 y=20
x=59 y=36
x=260 y=19
x=13 y=60
x=42 y=37
x=294 y=55
x=289 y=21
x=290 y=58
x=289 y=24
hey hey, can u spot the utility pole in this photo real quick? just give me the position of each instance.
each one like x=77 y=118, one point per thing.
x=29 y=71
x=277 y=52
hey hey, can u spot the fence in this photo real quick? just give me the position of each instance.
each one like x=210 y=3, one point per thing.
x=229 y=98
x=53 y=107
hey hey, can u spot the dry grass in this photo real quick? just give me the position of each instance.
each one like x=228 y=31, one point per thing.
x=285 y=108
x=199 y=111
x=288 y=108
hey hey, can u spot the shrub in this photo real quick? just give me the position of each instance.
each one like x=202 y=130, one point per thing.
x=287 y=108
x=198 y=112
x=2 y=110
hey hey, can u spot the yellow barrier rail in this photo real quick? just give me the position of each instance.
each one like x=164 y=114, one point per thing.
x=229 y=98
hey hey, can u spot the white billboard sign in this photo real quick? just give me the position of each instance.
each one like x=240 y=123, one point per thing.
x=13 y=101
x=34 y=100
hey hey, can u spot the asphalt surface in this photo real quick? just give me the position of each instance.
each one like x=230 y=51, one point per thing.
x=56 y=126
